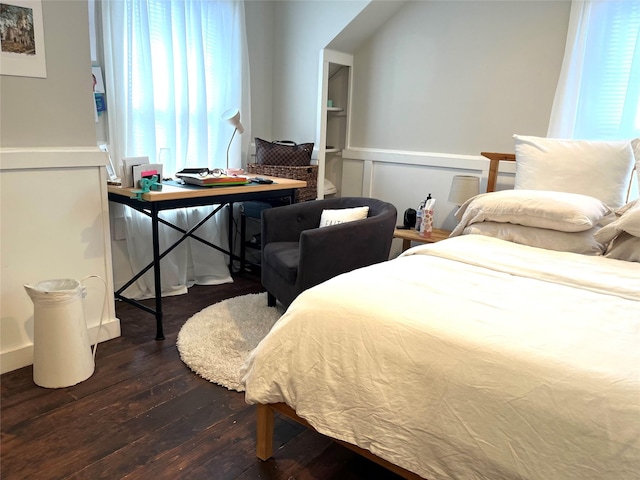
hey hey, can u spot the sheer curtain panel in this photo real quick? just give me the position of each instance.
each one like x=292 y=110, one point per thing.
x=171 y=69
x=598 y=94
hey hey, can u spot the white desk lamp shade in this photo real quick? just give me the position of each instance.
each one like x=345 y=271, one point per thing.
x=233 y=117
x=463 y=187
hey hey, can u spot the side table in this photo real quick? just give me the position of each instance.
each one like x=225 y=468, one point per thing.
x=411 y=235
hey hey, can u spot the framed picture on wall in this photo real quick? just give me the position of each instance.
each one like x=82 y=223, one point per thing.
x=22 y=39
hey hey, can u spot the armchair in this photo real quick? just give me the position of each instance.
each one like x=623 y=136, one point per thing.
x=297 y=255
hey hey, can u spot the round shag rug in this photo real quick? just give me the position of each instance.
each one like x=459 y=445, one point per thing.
x=215 y=342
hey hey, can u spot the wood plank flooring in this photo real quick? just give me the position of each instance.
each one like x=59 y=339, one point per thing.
x=144 y=415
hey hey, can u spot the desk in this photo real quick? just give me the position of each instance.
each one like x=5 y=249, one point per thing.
x=172 y=197
x=411 y=235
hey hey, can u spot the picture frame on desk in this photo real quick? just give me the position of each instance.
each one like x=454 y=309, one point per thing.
x=111 y=171
x=127 y=169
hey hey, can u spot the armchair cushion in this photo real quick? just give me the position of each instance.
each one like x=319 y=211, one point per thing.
x=284 y=256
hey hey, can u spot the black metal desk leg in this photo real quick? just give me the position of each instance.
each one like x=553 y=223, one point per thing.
x=243 y=247
x=156 y=271
x=230 y=236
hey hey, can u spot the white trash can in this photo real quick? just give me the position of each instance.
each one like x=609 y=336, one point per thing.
x=61 y=350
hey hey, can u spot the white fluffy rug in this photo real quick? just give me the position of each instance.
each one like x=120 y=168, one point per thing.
x=215 y=341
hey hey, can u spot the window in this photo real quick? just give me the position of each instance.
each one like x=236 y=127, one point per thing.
x=598 y=93
x=172 y=68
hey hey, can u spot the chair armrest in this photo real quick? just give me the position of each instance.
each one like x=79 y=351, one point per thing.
x=285 y=224
x=330 y=251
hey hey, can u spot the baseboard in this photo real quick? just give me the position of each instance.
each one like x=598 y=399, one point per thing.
x=23 y=356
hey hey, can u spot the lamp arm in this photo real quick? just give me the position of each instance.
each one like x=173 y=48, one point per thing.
x=229 y=146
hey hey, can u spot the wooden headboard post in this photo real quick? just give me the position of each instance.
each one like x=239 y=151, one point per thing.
x=494 y=161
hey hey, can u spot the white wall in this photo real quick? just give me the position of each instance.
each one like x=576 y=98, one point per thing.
x=285 y=39
x=260 y=27
x=51 y=112
x=53 y=197
x=434 y=85
x=441 y=82
x=303 y=28
x=458 y=77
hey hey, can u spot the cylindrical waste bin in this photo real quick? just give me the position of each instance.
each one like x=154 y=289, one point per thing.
x=61 y=350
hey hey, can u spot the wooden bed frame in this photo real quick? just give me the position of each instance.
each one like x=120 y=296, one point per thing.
x=264 y=447
x=265 y=412
x=494 y=162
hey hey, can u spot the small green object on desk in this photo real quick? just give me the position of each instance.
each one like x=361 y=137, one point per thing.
x=146 y=185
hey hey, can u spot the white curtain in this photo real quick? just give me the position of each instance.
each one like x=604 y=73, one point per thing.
x=171 y=69
x=191 y=262
x=598 y=94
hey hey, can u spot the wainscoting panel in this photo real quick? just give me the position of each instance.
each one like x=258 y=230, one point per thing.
x=55 y=224
x=406 y=178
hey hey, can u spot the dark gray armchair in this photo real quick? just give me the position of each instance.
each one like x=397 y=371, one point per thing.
x=296 y=254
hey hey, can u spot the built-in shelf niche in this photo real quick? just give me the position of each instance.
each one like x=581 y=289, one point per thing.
x=333 y=121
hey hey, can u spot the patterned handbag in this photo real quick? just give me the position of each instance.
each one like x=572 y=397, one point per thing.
x=283 y=152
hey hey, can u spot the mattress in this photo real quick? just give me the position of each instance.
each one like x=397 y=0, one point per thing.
x=470 y=358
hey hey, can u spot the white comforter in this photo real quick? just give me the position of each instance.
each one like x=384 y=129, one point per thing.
x=472 y=358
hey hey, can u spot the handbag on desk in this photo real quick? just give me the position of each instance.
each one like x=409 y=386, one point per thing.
x=283 y=152
x=287 y=159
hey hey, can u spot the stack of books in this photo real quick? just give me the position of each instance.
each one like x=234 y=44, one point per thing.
x=211 y=180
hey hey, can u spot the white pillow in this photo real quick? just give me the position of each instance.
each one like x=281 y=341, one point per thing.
x=342 y=215
x=576 y=242
x=600 y=169
x=622 y=210
x=624 y=247
x=565 y=212
x=629 y=222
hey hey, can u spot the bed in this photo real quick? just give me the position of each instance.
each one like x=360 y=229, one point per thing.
x=490 y=355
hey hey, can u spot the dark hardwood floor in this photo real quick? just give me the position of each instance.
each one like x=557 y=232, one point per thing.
x=144 y=415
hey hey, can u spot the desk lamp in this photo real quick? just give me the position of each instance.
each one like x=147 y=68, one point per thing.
x=233 y=117
x=463 y=187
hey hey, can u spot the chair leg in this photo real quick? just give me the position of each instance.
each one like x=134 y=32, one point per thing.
x=271 y=300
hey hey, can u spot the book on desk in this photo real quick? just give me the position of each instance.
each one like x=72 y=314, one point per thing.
x=211 y=180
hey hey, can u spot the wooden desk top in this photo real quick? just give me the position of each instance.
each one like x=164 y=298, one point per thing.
x=411 y=235
x=170 y=192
